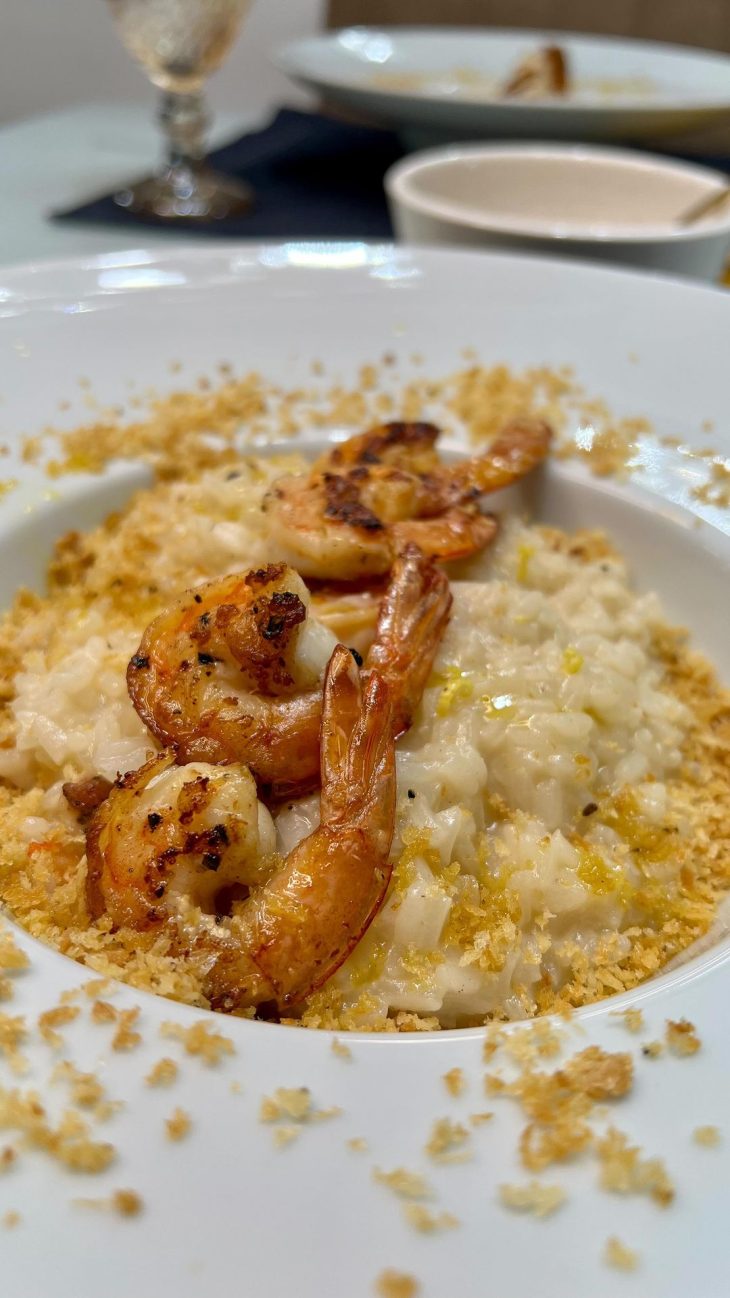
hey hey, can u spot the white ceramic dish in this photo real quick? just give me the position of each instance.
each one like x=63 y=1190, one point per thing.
x=597 y=202
x=429 y=79
x=225 y=1211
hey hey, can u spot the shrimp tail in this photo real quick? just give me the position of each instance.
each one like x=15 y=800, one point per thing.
x=518 y=449
x=334 y=882
x=411 y=624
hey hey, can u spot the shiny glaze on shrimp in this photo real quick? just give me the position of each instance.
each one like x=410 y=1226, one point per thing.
x=367 y=497
x=232 y=671
x=167 y=840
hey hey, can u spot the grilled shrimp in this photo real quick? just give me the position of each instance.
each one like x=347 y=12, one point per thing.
x=168 y=840
x=232 y=671
x=367 y=497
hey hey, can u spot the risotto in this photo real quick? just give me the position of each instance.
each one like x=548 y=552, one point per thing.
x=556 y=794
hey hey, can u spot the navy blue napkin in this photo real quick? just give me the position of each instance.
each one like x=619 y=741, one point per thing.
x=313 y=176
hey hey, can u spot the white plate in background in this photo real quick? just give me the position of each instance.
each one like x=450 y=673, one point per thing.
x=625 y=89
x=225 y=1211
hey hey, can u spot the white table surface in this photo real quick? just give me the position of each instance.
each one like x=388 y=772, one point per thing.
x=65 y=158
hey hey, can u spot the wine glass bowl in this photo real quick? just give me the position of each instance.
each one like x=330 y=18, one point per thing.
x=179 y=43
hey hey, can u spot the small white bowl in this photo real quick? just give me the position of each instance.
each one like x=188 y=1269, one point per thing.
x=601 y=203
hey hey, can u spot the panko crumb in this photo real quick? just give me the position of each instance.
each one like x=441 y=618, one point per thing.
x=285 y=1134
x=200 y=1040
x=8 y=1158
x=286 y=1102
x=68 y=1142
x=478 y=1119
x=126 y=1036
x=454 y=1081
x=125 y=1202
x=652 y=1049
x=682 y=1038
x=445 y=1144
x=535 y=1197
x=600 y=1075
x=407 y=1185
x=707 y=1136
x=163 y=1073
x=178 y=1125
x=632 y=1019
x=58 y=1017
x=340 y=1049
x=358 y=1145
x=12 y=1219
x=428 y=1223
x=624 y=1171
x=396 y=1284
x=103 y=1012
x=619 y=1255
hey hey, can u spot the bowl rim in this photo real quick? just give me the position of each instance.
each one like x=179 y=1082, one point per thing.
x=400 y=190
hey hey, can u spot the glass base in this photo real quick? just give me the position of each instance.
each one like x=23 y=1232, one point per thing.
x=183 y=194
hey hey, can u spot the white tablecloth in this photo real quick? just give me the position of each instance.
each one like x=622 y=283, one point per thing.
x=67 y=157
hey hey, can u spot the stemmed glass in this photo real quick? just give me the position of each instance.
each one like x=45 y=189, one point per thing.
x=179 y=43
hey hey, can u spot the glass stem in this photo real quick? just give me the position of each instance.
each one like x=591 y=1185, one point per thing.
x=184 y=120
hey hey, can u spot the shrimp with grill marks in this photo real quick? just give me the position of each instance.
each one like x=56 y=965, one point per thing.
x=369 y=496
x=169 y=840
x=232 y=671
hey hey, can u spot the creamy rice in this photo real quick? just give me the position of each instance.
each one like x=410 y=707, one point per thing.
x=544 y=825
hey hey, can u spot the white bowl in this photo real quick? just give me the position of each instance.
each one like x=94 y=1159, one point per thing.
x=605 y=204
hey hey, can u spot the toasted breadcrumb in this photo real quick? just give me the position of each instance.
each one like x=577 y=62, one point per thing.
x=652 y=1049
x=126 y=1037
x=236 y=1088
x=407 y=1185
x=454 y=1081
x=286 y=1102
x=494 y=1038
x=12 y=958
x=535 y=1197
x=624 y=1171
x=200 y=1040
x=69 y=1142
x=8 y=1158
x=340 y=1049
x=86 y=1089
x=49 y=1020
x=103 y=1012
x=13 y=1033
x=478 y=1119
x=163 y=1073
x=619 y=1255
x=427 y=1222
x=126 y=1202
x=96 y=987
x=396 y=1284
x=600 y=1075
x=632 y=1019
x=284 y=1135
x=445 y=1144
x=707 y=1136
x=682 y=1038
x=358 y=1144
x=11 y=1219
x=178 y=1125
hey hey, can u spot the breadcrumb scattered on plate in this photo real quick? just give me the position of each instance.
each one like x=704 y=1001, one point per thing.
x=455 y=1081
x=535 y=1197
x=407 y=1185
x=178 y=1125
x=163 y=1073
x=427 y=1222
x=340 y=1049
x=396 y=1284
x=707 y=1136
x=619 y=1255
x=200 y=1040
x=682 y=1038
